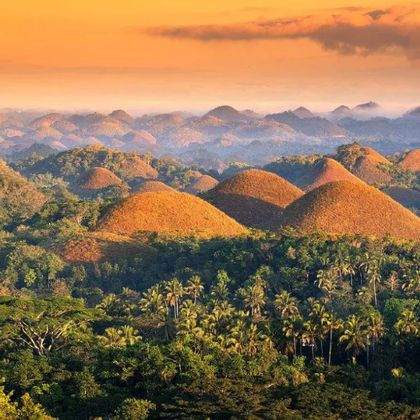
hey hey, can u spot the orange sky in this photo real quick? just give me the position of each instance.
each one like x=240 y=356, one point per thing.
x=191 y=55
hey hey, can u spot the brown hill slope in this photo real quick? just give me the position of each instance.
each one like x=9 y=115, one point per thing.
x=139 y=136
x=202 y=184
x=133 y=166
x=345 y=207
x=98 y=178
x=108 y=127
x=411 y=161
x=324 y=171
x=170 y=213
x=374 y=155
x=153 y=186
x=254 y=197
x=366 y=168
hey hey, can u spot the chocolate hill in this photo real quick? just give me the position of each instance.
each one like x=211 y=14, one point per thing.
x=374 y=155
x=98 y=178
x=227 y=114
x=140 y=137
x=135 y=167
x=108 y=127
x=171 y=213
x=346 y=207
x=367 y=168
x=202 y=184
x=153 y=186
x=254 y=197
x=324 y=171
x=411 y=161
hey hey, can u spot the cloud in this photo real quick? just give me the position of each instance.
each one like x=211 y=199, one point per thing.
x=346 y=31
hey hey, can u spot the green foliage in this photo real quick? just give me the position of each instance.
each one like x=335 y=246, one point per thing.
x=134 y=409
x=267 y=326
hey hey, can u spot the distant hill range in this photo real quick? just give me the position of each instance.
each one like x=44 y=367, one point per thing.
x=219 y=136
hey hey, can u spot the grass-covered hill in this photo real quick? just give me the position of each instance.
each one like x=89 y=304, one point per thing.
x=169 y=213
x=254 y=197
x=346 y=207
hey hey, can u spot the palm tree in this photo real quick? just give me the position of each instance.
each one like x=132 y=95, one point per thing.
x=355 y=335
x=375 y=328
x=110 y=304
x=332 y=323
x=317 y=314
x=326 y=280
x=291 y=329
x=364 y=262
x=374 y=276
x=153 y=303
x=113 y=337
x=253 y=297
x=286 y=304
x=412 y=285
x=220 y=290
x=309 y=336
x=195 y=287
x=188 y=320
x=218 y=319
x=246 y=339
x=346 y=269
x=131 y=336
x=407 y=325
x=393 y=281
x=174 y=293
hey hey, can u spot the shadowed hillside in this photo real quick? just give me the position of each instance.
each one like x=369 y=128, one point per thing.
x=98 y=178
x=202 y=184
x=254 y=197
x=411 y=161
x=408 y=197
x=324 y=171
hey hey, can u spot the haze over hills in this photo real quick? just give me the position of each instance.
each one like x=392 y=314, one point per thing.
x=224 y=132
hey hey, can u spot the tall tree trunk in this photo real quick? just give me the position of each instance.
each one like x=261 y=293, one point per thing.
x=330 y=347
x=367 y=357
x=374 y=293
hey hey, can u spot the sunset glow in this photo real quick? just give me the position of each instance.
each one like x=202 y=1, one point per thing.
x=147 y=56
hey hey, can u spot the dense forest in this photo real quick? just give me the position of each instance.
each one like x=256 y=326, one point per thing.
x=262 y=325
